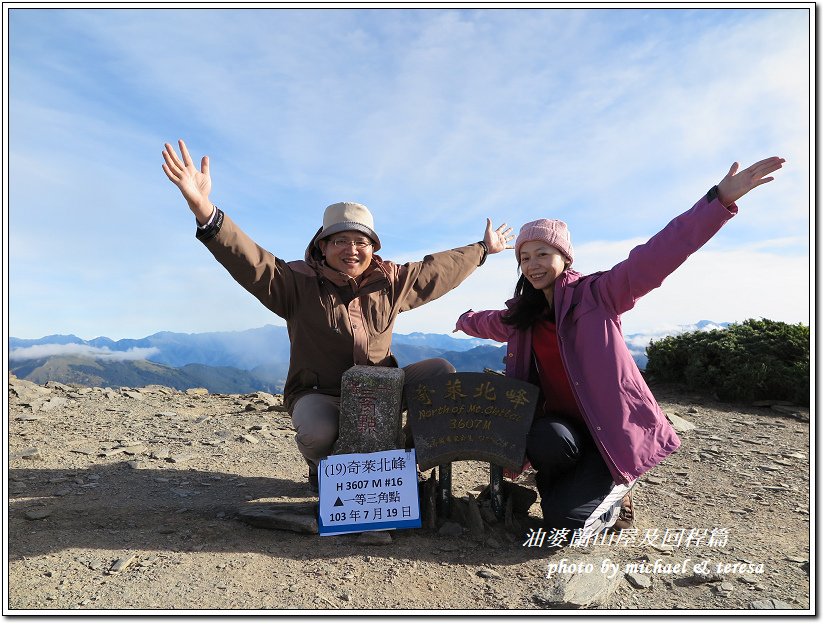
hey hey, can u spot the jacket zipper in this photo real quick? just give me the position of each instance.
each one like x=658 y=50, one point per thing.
x=584 y=413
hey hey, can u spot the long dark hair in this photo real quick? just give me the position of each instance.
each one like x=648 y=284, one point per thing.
x=530 y=305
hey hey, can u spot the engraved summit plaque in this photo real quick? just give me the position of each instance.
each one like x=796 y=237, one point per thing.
x=471 y=416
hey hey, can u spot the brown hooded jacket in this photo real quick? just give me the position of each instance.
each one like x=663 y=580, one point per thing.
x=333 y=321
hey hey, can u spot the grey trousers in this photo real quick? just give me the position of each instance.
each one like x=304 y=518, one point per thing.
x=315 y=416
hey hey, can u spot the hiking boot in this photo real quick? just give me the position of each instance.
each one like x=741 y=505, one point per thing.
x=608 y=512
x=626 y=517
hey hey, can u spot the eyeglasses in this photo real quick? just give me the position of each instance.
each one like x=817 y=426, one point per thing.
x=344 y=242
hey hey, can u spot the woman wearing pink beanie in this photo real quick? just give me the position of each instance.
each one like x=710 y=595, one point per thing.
x=599 y=427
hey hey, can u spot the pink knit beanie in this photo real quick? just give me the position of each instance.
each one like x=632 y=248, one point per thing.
x=550 y=231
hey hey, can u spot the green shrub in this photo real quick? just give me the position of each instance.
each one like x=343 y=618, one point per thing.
x=756 y=359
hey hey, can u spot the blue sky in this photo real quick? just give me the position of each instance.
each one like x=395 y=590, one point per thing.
x=614 y=120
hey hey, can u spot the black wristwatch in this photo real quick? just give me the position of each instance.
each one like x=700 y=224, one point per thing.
x=712 y=193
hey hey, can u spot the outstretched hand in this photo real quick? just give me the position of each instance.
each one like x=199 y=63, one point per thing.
x=497 y=239
x=193 y=184
x=735 y=185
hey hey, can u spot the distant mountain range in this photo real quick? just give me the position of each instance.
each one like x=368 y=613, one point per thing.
x=233 y=362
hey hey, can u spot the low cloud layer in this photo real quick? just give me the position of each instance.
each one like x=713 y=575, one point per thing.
x=101 y=353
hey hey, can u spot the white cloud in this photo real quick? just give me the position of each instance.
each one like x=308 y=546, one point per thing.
x=99 y=353
x=436 y=119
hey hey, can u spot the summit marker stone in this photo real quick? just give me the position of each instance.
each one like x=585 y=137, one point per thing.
x=370 y=410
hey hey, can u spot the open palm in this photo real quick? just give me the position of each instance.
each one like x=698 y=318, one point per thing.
x=736 y=183
x=497 y=239
x=194 y=184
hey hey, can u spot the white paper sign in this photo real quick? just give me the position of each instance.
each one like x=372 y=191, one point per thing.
x=368 y=492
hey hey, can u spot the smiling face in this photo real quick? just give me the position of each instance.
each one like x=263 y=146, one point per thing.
x=349 y=252
x=541 y=264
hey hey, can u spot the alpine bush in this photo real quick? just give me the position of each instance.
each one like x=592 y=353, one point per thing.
x=753 y=360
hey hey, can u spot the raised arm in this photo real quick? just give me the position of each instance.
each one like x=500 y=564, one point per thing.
x=438 y=273
x=648 y=264
x=193 y=184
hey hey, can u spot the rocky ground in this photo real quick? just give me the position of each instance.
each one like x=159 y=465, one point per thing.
x=129 y=499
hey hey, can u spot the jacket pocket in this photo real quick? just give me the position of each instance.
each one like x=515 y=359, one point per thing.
x=307 y=379
x=378 y=312
x=641 y=408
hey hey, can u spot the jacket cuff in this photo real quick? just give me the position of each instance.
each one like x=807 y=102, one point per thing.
x=205 y=234
x=485 y=252
x=712 y=195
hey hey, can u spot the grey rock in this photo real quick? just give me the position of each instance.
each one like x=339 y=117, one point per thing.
x=488 y=573
x=58 y=386
x=488 y=514
x=639 y=581
x=37 y=514
x=184 y=493
x=770 y=603
x=790 y=410
x=474 y=519
x=711 y=576
x=296 y=518
x=522 y=497
x=133 y=449
x=162 y=453
x=375 y=538
x=53 y=404
x=451 y=529
x=181 y=458
x=29 y=453
x=250 y=439
x=111 y=452
x=796 y=559
x=680 y=425
x=577 y=591
x=197 y=391
x=494 y=543
x=87 y=449
x=121 y=564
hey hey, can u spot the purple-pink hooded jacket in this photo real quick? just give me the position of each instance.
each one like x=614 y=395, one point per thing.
x=626 y=422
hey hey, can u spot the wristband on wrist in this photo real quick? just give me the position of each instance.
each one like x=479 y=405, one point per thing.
x=209 y=220
x=486 y=252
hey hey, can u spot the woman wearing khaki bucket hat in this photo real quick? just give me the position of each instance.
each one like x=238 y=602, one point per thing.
x=340 y=302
